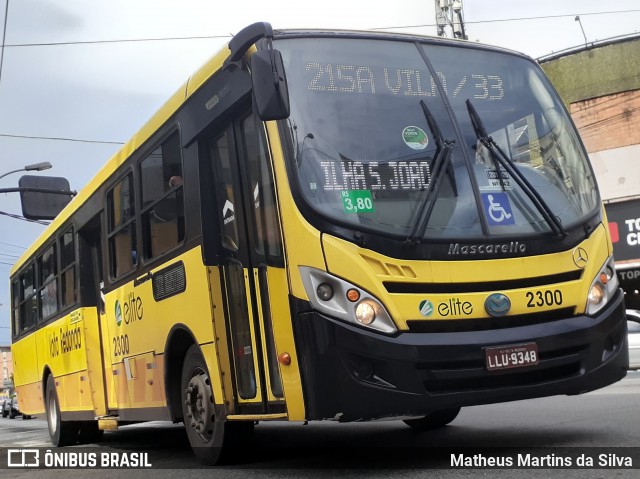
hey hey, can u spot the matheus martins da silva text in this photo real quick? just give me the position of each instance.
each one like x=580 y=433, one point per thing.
x=546 y=461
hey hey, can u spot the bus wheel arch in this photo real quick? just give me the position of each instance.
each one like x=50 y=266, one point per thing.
x=179 y=340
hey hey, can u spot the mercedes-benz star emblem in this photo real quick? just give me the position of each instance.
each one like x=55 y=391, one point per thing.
x=580 y=257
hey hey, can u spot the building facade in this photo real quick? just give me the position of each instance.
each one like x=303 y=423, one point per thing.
x=600 y=85
x=6 y=372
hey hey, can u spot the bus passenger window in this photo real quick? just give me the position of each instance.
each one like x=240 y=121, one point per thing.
x=29 y=300
x=122 y=228
x=47 y=283
x=162 y=198
x=15 y=311
x=68 y=271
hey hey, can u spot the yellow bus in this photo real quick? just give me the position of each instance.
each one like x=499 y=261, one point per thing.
x=325 y=225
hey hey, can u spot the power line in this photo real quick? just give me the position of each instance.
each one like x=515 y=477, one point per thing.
x=54 y=138
x=517 y=19
x=210 y=37
x=123 y=40
x=14 y=245
x=18 y=217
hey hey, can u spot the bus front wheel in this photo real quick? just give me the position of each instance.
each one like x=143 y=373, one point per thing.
x=62 y=433
x=205 y=433
x=434 y=420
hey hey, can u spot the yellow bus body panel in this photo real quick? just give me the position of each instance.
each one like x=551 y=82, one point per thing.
x=137 y=328
x=302 y=241
x=283 y=336
x=64 y=347
x=27 y=375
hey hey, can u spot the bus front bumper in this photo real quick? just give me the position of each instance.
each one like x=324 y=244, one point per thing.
x=351 y=374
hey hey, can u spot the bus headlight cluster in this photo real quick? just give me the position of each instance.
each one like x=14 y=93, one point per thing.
x=341 y=299
x=603 y=287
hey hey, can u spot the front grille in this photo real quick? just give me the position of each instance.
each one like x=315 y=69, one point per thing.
x=484 y=324
x=480 y=287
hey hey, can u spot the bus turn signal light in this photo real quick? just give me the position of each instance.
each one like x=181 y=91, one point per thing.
x=353 y=295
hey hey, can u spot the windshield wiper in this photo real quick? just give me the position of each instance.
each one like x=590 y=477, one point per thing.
x=441 y=164
x=501 y=157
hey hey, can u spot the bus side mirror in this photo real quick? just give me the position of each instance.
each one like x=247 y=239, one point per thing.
x=43 y=197
x=270 y=88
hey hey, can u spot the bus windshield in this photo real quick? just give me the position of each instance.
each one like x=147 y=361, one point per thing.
x=367 y=156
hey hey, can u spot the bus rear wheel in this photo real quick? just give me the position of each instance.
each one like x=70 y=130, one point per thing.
x=204 y=430
x=434 y=420
x=62 y=433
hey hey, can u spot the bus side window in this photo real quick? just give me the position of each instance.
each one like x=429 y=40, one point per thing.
x=162 y=198
x=122 y=228
x=47 y=283
x=67 y=269
x=29 y=300
x=15 y=307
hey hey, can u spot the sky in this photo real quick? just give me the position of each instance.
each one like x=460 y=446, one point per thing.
x=71 y=90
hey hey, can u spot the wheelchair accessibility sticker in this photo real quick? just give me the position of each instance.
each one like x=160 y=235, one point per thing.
x=497 y=209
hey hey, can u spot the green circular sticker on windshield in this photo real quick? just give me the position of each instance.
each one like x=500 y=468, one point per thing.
x=415 y=137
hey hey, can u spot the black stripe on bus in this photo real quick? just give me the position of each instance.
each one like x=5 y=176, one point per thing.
x=471 y=287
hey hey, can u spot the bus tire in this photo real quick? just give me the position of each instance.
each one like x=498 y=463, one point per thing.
x=434 y=420
x=89 y=432
x=204 y=430
x=62 y=433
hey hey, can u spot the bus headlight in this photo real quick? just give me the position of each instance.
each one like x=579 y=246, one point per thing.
x=343 y=300
x=366 y=312
x=603 y=288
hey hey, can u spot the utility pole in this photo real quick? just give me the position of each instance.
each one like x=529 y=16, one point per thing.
x=449 y=18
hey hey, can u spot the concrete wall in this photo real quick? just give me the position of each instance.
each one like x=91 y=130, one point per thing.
x=596 y=71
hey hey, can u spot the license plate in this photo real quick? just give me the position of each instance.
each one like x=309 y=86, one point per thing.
x=511 y=356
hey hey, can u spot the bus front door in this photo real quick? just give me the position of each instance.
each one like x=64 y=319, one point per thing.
x=250 y=259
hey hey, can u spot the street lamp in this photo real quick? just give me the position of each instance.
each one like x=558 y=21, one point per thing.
x=45 y=165
x=577 y=19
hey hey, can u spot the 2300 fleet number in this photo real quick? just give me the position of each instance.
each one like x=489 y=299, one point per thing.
x=121 y=345
x=547 y=297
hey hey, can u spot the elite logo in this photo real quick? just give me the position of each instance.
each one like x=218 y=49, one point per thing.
x=118 y=313
x=450 y=307
x=131 y=310
x=426 y=308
